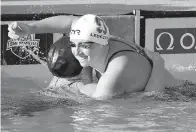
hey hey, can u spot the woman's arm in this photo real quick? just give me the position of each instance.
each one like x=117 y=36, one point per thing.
x=56 y=24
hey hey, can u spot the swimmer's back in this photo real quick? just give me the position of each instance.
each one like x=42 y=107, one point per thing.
x=130 y=68
x=136 y=70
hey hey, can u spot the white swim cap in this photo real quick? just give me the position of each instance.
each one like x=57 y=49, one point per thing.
x=90 y=28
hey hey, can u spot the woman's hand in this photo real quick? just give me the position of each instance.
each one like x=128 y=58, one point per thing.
x=18 y=29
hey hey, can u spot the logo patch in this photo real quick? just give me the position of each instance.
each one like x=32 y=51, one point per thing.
x=98 y=36
x=18 y=46
x=77 y=32
x=101 y=26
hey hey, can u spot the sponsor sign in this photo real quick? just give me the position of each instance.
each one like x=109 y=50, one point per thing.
x=19 y=46
x=13 y=52
x=171 y=35
x=175 y=40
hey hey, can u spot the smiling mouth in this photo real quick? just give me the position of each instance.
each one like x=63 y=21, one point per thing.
x=82 y=57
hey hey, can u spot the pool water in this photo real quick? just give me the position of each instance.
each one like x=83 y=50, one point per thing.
x=26 y=110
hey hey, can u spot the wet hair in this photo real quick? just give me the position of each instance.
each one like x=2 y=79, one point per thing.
x=60 y=60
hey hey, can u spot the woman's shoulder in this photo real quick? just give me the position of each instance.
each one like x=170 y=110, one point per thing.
x=128 y=62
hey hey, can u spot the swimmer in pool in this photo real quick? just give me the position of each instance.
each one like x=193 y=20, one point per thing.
x=124 y=67
x=65 y=67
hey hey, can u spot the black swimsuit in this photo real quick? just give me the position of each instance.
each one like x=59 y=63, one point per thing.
x=141 y=53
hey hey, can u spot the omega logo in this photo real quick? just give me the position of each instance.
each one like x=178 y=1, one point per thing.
x=176 y=41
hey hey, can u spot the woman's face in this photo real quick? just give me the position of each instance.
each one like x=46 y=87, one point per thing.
x=84 y=51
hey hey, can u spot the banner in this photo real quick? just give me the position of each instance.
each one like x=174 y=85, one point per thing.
x=175 y=40
x=13 y=51
x=171 y=35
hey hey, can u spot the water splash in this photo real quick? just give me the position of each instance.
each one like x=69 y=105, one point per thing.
x=180 y=68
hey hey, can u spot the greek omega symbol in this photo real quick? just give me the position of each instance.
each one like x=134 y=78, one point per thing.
x=174 y=41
